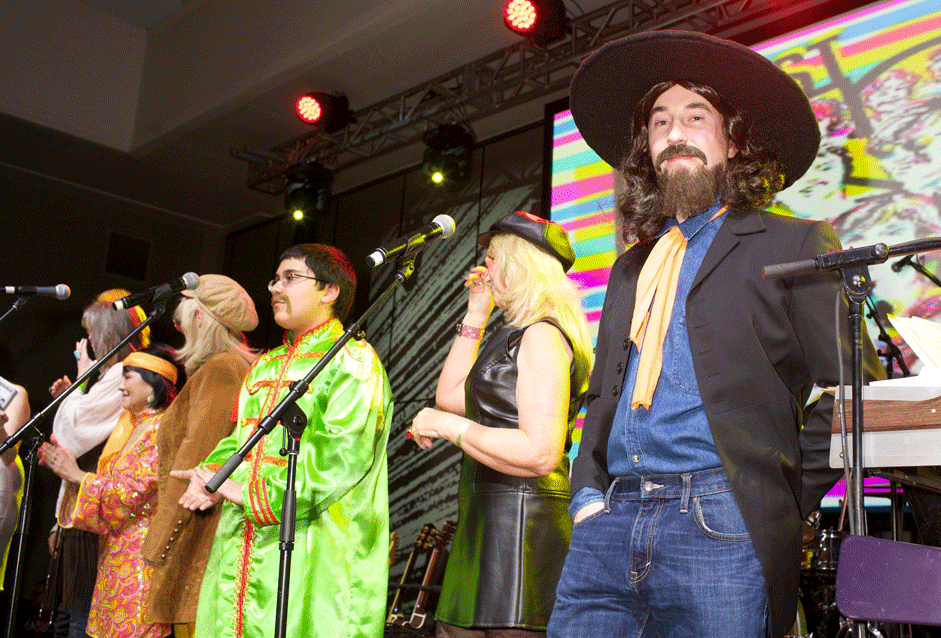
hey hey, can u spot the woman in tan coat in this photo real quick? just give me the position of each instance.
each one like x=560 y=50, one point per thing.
x=212 y=318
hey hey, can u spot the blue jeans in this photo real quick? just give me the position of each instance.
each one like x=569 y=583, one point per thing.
x=668 y=556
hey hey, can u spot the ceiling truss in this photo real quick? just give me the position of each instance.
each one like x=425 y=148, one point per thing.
x=512 y=76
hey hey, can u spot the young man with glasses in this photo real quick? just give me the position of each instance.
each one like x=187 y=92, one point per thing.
x=339 y=569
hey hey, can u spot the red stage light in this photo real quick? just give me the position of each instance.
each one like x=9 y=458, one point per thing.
x=520 y=15
x=541 y=21
x=308 y=109
x=328 y=111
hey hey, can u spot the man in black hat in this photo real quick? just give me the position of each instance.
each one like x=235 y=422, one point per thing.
x=695 y=468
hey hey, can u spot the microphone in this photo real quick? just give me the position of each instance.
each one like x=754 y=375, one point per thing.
x=824 y=262
x=156 y=294
x=59 y=292
x=901 y=263
x=441 y=226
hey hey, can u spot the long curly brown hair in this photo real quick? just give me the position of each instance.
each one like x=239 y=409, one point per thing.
x=749 y=179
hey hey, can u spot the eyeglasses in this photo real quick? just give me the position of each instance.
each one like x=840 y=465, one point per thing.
x=290 y=277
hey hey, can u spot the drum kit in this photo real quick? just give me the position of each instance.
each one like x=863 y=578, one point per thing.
x=817 y=613
x=818 y=616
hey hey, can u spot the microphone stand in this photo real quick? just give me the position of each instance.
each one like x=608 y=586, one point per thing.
x=892 y=351
x=853 y=265
x=917 y=265
x=294 y=420
x=14 y=438
x=22 y=299
x=31 y=428
x=22 y=527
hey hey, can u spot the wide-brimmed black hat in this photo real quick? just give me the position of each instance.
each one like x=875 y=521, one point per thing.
x=612 y=80
x=547 y=235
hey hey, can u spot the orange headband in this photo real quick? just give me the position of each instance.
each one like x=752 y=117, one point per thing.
x=136 y=314
x=155 y=364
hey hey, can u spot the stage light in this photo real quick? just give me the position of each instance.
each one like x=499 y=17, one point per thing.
x=330 y=111
x=308 y=189
x=308 y=109
x=520 y=15
x=446 y=161
x=541 y=21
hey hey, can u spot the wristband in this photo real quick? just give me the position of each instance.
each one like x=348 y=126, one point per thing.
x=470 y=333
x=460 y=434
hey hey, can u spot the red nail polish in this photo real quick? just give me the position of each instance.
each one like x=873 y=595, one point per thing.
x=409 y=434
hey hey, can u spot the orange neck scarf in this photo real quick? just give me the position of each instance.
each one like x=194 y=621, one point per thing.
x=653 y=306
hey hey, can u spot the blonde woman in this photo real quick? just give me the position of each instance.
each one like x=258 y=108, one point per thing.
x=212 y=318
x=511 y=409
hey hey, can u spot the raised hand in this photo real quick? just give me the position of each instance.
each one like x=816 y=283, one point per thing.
x=480 y=300
x=84 y=361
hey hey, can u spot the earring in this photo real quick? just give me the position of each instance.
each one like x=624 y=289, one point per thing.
x=150 y=399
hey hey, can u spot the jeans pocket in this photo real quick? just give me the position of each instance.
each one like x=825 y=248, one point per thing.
x=718 y=517
x=588 y=518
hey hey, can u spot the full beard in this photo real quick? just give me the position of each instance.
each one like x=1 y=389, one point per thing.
x=688 y=191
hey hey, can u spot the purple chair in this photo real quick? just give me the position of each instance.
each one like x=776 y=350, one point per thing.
x=889 y=581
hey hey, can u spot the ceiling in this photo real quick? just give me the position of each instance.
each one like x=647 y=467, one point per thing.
x=214 y=75
x=142 y=13
x=167 y=88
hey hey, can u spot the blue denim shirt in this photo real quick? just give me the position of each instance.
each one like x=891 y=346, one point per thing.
x=673 y=437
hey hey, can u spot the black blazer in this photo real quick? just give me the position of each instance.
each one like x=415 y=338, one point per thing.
x=758 y=346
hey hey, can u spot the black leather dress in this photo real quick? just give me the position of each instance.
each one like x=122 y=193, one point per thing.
x=513 y=532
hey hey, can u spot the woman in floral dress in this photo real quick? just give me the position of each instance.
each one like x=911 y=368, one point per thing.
x=118 y=500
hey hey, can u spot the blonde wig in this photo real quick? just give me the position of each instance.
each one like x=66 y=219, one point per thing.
x=537 y=288
x=206 y=337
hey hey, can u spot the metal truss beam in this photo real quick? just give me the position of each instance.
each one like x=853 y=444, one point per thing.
x=512 y=76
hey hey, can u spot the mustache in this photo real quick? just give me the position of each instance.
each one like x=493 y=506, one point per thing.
x=677 y=151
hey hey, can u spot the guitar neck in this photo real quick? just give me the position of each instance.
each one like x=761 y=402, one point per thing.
x=427 y=533
x=393 y=608
x=419 y=609
x=419 y=614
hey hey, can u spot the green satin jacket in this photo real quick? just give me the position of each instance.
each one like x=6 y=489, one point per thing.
x=339 y=566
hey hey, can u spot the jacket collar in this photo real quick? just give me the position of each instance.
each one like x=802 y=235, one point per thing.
x=737 y=224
